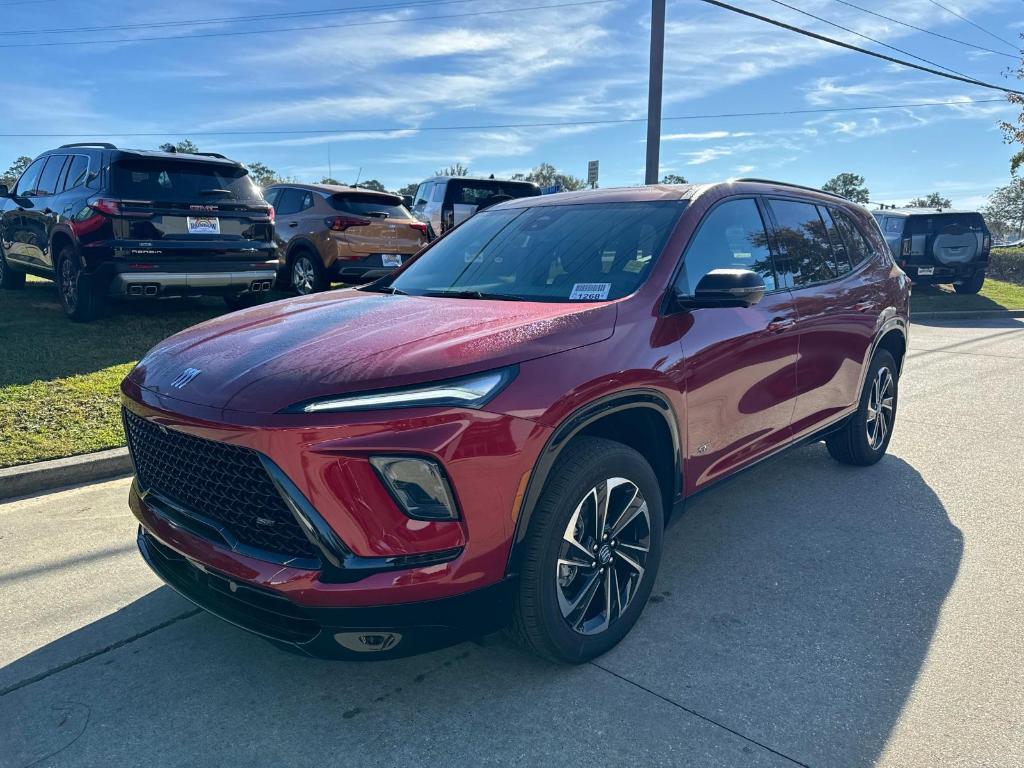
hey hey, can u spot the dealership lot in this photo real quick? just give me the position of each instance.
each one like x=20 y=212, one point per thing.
x=806 y=613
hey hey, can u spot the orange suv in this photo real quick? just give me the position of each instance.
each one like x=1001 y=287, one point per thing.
x=328 y=233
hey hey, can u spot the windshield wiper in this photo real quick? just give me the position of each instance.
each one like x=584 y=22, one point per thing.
x=474 y=295
x=387 y=289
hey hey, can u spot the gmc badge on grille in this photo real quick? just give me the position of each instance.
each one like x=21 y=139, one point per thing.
x=185 y=377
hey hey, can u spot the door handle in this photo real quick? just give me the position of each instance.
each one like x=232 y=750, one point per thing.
x=293 y=224
x=864 y=306
x=779 y=324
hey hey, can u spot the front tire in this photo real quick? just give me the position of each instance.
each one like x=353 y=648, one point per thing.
x=307 y=274
x=865 y=437
x=971 y=285
x=78 y=295
x=591 y=553
x=9 y=279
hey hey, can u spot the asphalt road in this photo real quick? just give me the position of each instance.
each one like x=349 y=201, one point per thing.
x=806 y=613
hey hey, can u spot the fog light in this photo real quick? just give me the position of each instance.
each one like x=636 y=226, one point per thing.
x=418 y=486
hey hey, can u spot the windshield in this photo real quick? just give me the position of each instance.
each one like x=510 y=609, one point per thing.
x=181 y=181
x=589 y=252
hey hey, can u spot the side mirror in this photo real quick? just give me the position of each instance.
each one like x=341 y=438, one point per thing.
x=726 y=288
x=407 y=201
x=4 y=191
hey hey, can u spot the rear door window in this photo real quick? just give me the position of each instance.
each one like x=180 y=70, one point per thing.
x=732 y=236
x=47 y=183
x=374 y=206
x=805 y=250
x=181 y=181
x=290 y=202
x=855 y=243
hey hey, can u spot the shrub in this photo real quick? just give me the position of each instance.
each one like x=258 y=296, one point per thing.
x=1007 y=264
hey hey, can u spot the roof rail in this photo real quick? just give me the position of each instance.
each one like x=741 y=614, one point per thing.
x=797 y=186
x=100 y=144
x=211 y=154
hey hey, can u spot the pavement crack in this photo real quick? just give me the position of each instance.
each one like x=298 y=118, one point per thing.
x=99 y=652
x=696 y=714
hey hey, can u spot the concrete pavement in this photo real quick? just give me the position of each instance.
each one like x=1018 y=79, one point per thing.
x=806 y=613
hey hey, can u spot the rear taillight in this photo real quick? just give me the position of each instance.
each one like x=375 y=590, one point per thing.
x=447 y=220
x=419 y=226
x=986 y=245
x=905 y=247
x=271 y=213
x=341 y=223
x=109 y=207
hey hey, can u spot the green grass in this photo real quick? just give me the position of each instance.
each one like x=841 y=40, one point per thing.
x=994 y=295
x=59 y=380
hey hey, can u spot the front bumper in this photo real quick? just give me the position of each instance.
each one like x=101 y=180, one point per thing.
x=364 y=632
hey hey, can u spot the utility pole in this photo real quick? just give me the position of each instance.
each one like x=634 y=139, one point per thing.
x=654 y=90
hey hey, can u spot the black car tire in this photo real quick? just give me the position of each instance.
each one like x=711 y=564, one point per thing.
x=858 y=442
x=972 y=284
x=9 y=279
x=539 y=623
x=306 y=273
x=78 y=294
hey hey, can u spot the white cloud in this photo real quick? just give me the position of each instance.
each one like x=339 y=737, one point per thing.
x=703 y=136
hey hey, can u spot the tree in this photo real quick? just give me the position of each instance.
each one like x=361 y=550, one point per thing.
x=673 y=178
x=1014 y=134
x=1005 y=210
x=17 y=168
x=261 y=175
x=185 y=145
x=408 y=189
x=931 y=200
x=546 y=175
x=458 y=169
x=329 y=180
x=848 y=185
x=373 y=184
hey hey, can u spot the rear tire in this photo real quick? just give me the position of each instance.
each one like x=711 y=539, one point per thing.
x=971 y=285
x=579 y=590
x=306 y=273
x=865 y=437
x=9 y=279
x=79 y=296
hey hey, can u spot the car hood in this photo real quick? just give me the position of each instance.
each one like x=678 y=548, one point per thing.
x=272 y=356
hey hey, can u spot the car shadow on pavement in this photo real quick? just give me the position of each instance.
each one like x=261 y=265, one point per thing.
x=792 y=614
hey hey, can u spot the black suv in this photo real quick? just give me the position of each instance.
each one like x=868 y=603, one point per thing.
x=103 y=221
x=938 y=246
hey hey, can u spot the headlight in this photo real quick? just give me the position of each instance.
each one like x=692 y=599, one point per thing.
x=467 y=392
x=419 y=486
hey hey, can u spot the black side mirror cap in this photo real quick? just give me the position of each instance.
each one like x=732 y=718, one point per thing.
x=4 y=191
x=725 y=288
x=407 y=201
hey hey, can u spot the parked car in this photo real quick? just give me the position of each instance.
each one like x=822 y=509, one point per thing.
x=444 y=202
x=939 y=245
x=497 y=433
x=329 y=233
x=103 y=221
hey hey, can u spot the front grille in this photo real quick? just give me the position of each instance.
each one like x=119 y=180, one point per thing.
x=221 y=482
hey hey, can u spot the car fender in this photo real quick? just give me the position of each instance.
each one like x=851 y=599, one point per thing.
x=572 y=425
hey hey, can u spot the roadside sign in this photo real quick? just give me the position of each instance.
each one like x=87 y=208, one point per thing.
x=553 y=189
x=592 y=173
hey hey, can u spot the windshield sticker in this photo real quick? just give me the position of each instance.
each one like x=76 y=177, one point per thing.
x=590 y=291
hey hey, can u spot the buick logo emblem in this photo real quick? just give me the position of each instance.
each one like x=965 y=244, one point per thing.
x=185 y=377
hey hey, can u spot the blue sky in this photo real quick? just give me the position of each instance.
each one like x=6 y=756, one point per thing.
x=586 y=62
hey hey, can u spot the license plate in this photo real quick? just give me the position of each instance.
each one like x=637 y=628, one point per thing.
x=391 y=260
x=926 y=270
x=203 y=225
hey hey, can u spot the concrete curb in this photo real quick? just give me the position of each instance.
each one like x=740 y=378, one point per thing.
x=57 y=473
x=977 y=314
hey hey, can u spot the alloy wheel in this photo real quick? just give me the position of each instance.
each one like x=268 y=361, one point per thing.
x=303 y=275
x=68 y=284
x=603 y=555
x=880 y=408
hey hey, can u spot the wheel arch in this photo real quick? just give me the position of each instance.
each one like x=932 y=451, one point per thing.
x=643 y=419
x=298 y=245
x=60 y=238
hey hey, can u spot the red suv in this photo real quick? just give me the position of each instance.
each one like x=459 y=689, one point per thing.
x=496 y=434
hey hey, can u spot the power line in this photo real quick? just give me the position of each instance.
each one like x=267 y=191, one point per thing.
x=495 y=126
x=872 y=39
x=316 y=27
x=234 y=19
x=858 y=49
x=927 y=31
x=976 y=26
